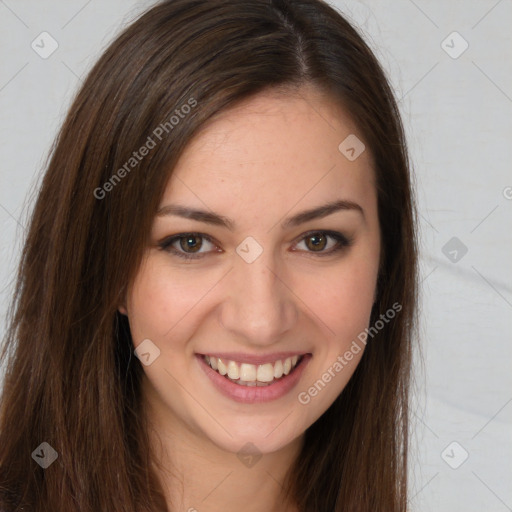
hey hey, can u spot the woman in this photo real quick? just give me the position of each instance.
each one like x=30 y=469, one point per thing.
x=217 y=294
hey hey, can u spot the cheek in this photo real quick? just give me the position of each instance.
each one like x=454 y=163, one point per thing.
x=161 y=299
x=343 y=297
x=343 y=303
x=153 y=309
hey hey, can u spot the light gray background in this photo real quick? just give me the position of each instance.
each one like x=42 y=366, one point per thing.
x=458 y=115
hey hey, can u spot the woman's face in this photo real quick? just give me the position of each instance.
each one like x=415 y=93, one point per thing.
x=272 y=294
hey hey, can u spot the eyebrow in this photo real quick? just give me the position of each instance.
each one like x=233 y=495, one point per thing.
x=300 y=218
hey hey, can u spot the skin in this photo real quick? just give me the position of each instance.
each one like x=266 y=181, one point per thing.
x=269 y=158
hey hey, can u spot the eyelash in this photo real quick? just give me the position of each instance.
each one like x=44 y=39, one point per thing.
x=166 y=244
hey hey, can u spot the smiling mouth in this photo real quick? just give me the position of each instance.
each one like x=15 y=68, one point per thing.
x=259 y=375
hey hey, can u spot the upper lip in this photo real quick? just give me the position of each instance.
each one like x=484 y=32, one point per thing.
x=240 y=357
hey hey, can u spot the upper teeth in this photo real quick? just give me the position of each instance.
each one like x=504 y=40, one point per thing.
x=250 y=372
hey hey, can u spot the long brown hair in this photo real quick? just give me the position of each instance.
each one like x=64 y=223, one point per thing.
x=71 y=378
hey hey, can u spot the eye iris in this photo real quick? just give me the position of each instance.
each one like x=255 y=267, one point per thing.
x=190 y=242
x=316 y=244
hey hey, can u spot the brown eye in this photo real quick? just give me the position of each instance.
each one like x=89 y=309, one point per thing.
x=188 y=245
x=316 y=242
x=191 y=242
x=324 y=243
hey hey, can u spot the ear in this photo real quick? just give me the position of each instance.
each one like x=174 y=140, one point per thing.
x=122 y=302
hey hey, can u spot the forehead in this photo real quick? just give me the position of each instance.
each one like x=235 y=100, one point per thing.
x=273 y=147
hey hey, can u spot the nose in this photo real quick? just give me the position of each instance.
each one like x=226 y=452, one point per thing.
x=259 y=308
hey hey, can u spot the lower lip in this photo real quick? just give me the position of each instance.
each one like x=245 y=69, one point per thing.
x=254 y=394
